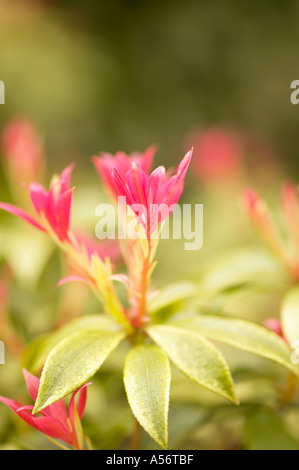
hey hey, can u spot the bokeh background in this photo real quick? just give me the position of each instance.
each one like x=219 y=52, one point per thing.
x=94 y=76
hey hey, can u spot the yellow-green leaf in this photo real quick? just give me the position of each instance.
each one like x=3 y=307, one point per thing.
x=171 y=294
x=37 y=351
x=290 y=315
x=147 y=382
x=74 y=361
x=196 y=357
x=241 y=334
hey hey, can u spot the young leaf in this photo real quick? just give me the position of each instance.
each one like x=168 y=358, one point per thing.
x=241 y=334
x=37 y=351
x=72 y=362
x=290 y=315
x=147 y=382
x=171 y=294
x=243 y=267
x=196 y=357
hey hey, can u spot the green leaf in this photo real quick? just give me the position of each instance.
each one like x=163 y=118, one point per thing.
x=27 y=265
x=74 y=361
x=196 y=357
x=265 y=430
x=38 y=350
x=147 y=381
x=171 y=294
x=290 y=315
x=31 y=357
x=237 y=268
x=241 y=334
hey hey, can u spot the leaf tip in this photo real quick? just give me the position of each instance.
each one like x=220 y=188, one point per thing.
x=39 y=406
x=236 y=400
x=36 y=409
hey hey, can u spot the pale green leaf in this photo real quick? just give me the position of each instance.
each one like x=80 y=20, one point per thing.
x=241 y=334
x=74 y=361
x=147 y=382
x=243 y=267
x=171 y=294
x=290 y=315
x=196 y=357
x=27 y=264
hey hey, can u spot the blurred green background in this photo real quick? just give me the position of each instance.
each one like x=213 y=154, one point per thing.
x=98 y=75
x=120 y=75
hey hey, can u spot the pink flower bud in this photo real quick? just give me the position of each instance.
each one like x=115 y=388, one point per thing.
x=217 y=153
x=157 y=194
x=22 y=150
x=274 y=325
x=53 y=207
x=122 y=163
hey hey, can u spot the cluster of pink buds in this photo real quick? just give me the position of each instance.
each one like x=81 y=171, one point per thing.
x=150 y=198
x=286 y=249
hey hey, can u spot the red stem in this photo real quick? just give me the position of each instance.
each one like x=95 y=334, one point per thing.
x=142 y=311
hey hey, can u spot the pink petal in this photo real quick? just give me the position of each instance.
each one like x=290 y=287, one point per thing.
x=104 y=165
x=121 y=278
x=155 y=180
x=146 y=161
x=289 y=195
x=65 y=177
x=39 y=197
x=58 y=411
x=14 y=405
x=121 y=188
x=32 y=383
x=67 y=279
x=46 y=424
x=137 y=183
x=183 y=166
x=21 y=411
x=81 y=403
x=122 y=163
x=21 y=214
x=174 y=194
x=251 y=199
x=51 y=427
x=63 y=210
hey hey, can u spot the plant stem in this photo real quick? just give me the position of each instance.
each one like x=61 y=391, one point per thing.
x=290 y=390
x=142 y=311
